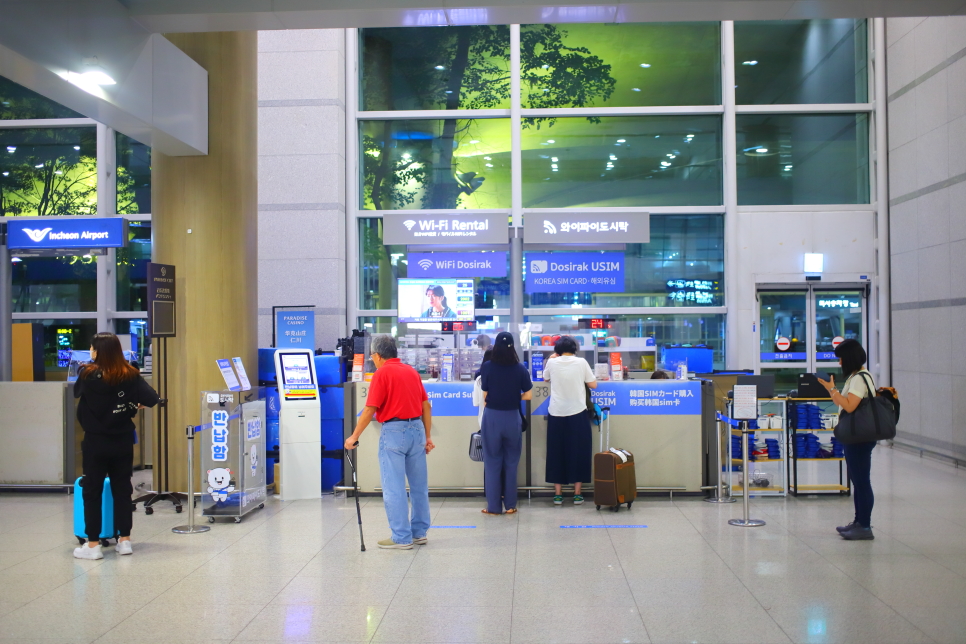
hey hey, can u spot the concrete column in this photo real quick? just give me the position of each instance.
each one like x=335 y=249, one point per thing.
x=204 y=220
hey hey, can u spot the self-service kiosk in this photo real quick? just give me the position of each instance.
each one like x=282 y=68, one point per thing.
x=300 y=439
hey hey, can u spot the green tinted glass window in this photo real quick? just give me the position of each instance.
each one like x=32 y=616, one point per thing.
x=620 y=65
x=60 y=337
x=17 y=102
x=381 y=265
x=51 y=171
x=792 y=159
x=435 y=68
x=622 y=161
x=133 y=176
x=435 y=164
x=682 y=265
x=801 y=61
x=132 y=268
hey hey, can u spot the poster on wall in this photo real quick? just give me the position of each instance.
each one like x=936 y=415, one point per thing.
x=162 y=301
x=294 y=329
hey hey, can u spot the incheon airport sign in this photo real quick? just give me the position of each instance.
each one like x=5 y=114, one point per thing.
x=62 y=233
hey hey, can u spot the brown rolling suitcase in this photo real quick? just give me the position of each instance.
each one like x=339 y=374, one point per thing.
x=615 y=480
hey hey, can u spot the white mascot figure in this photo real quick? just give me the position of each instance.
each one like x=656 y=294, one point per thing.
x=254 y=460
x=218 y=483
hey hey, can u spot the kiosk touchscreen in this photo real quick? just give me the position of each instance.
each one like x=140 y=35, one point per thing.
x=300 y=425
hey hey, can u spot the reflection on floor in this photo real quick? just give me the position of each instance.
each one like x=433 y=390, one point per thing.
x=294 y=572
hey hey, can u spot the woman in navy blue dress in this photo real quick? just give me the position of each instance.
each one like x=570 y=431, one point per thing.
x=505 y=383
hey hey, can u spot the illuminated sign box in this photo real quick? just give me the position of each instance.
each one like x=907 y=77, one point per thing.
x=26 y=234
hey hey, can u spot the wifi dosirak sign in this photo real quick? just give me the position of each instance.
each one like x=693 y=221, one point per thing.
x=457 y=265
x=575 y=272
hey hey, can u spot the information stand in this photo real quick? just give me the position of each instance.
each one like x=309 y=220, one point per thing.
x=233 y=427
x=745 y=408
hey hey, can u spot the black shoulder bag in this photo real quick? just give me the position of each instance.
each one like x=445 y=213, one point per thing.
x=873 y=420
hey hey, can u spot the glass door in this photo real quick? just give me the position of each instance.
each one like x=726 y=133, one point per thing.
x=799 y=329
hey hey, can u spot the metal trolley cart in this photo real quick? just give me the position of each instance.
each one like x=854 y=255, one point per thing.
x=232 y=460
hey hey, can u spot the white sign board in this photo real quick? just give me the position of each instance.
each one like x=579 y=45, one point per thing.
x=242 y=374
x=745 y=404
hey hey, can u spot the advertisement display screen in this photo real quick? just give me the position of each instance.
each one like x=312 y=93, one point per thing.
x=295 y=369
x=435 y=300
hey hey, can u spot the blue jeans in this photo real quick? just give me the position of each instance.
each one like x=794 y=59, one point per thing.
x=402 y=455
x=859 y=459
x=502 y=443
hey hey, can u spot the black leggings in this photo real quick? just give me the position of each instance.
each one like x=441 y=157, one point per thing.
x=113 y=458
x=859 y=459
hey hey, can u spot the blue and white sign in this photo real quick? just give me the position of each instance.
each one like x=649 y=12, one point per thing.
x=644 y=398
x=294 y=329
x=575 y=272
x=451 y=399
x=226 y=372
x=786 y=356
x=65 y=233
x=457 y=264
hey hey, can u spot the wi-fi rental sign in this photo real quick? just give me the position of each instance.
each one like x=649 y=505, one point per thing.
x=481 y=264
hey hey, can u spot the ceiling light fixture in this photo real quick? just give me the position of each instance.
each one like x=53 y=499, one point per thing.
x=635 y=89
x=645 y=65
x=750 y=63
x=554 y=159
x=439 y=67
x=761 y=150
x=622 y=140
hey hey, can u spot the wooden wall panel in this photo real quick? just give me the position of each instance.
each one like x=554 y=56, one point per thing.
x=215 y=198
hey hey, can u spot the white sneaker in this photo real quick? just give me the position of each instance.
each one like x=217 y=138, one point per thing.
x=123 y=548
x=84 y=552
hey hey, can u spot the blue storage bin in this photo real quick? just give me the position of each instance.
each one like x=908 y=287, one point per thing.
x=328 y=369
x=266 y=365
x=332 y=400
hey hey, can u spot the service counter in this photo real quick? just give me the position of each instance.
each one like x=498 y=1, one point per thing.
x=667 y=425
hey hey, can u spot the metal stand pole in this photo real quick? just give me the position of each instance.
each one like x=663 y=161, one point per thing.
x=163 y=492
x=191 y=528
x=746 y=522
x=719 y=496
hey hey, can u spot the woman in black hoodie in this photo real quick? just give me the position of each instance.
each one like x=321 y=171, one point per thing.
x=111 y=391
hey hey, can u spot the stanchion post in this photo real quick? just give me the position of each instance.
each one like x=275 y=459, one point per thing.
x=191 y=528
x=720 y=497
x=746 y=522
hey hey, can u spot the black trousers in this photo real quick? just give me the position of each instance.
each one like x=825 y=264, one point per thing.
x=859 y=459
x=105 y=456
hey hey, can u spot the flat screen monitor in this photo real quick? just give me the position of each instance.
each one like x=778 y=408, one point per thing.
x=436 y=300
x=765 y=384
x=296 y=369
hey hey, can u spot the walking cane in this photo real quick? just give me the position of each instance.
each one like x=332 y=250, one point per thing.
x=355 y=493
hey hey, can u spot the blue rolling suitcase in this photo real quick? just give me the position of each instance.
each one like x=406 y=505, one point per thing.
x=107 y=513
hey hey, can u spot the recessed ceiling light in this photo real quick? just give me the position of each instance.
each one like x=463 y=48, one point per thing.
x=553 y=165
x=449 y=91
x=6 y=174
x=440 y=67
x=489 y=165
x=77 y=147
x=487 y=158
x=750 y=63
x=635 y=89
x=762 y=150
x=550 y=141
x=665 y=163
x=11 y=149
x=474 y=141
x=554 y=170
x=613 y=157
x=39 y=165
x=622 y=140
x=554 y=159
x=645 y=65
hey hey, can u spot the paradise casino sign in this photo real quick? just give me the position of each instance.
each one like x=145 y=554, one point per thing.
x=41 y=236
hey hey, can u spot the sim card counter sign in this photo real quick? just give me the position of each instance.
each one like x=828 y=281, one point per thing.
x=575 y=272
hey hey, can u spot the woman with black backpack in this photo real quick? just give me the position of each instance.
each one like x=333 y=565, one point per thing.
x=858 y=456
x=111 y=391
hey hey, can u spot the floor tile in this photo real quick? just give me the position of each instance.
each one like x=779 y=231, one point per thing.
x=157 y=623
x=331 y=623
x=454 y=591
x=452 y=625
x=575 y=625
x=332 y=590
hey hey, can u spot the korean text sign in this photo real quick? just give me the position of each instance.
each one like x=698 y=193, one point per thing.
x=575 y=272
x=294 y=329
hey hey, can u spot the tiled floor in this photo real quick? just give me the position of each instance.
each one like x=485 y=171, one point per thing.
x=294 y=572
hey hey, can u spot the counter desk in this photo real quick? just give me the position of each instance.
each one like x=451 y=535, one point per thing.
x=667 y=424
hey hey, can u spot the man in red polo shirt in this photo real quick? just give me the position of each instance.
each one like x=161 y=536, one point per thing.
x=398 y=400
